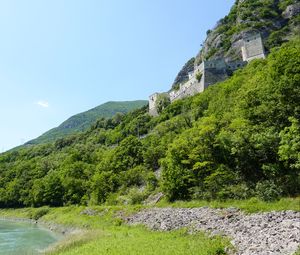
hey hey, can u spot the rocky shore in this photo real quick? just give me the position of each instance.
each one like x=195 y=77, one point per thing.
x=276 y=233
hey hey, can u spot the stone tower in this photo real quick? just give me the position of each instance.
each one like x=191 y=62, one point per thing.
x=152 y=104
x=253 y=47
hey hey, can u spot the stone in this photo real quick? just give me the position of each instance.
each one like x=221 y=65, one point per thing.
x=89 y=211
x=154 y=199
x=250 y=233
x=291 y=11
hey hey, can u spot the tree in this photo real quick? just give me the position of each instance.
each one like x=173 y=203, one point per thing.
x=289 y=149
x=102 y=185
x=48 y=191
x=163 y=100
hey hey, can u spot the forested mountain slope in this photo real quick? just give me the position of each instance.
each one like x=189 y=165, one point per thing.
x=82 y=121
x=238 y=139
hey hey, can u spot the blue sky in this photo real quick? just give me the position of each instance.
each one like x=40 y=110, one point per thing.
x=62 y=57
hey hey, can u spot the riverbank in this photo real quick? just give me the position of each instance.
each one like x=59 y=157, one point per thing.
x=103 y=229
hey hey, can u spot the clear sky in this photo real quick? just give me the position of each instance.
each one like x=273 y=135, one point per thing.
x=62 y=57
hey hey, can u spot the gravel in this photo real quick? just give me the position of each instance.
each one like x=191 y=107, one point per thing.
x=251 y=234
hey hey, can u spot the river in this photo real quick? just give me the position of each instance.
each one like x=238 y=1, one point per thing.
x=24 y=238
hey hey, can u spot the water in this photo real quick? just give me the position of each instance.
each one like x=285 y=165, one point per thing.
x=23 y=238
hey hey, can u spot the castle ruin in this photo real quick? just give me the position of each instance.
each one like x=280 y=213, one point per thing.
x=253 y=48
x=212 y=71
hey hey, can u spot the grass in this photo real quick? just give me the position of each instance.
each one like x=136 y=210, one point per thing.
x=137 y=240
x=252 y=205
x=105 y=233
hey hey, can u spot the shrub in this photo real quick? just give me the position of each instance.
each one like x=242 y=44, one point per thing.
x=134 y=176
x=285 y=3
x=238 y=191
x=136 y=196
x=163 y=100
x=268 y=191
x=212 y=52
x=40 y=213
x=198 y=76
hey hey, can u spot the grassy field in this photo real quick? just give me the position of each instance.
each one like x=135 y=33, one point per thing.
x=137 y=240
x=105 y=233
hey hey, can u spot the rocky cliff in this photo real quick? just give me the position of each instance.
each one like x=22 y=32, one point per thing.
x=276 y=20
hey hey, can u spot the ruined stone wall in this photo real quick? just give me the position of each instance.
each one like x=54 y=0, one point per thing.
x=218 y=64
x=213 y=71
x=190 y=88
x=212 y=76
x=152 y=104
x=234 y=65
x=253 y=48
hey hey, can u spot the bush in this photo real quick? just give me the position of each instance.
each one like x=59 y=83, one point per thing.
x=268 y=191
x=136 y=196
x=285 y=3
x=198 y=76
x=212 y=52
x=163 y=100
x=102 y=185
x=134 y=177
x=238 y=191
x=40 y=213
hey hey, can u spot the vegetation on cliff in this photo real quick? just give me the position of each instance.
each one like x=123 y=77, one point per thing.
x=268 y=17
x=238 y=139
x=264 y=16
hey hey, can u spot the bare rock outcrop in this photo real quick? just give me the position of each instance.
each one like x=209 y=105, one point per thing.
x=291 y=11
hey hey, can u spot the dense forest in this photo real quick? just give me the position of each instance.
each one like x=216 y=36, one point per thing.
x=238 y=139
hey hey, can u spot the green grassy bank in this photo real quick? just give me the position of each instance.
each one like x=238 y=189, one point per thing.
x=105 y=233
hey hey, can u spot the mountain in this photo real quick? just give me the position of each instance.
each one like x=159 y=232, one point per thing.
x=238 y=139
x=82 y=121
x=276 y=20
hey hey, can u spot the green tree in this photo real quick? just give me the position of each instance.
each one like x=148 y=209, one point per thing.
x=163 y=100
x=289 y=149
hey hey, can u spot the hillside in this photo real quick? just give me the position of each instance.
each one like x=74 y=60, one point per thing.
x=82 y=121
x=238 y=139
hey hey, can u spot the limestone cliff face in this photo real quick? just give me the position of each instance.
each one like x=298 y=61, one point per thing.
x=183 y=75
x=291 y=11
x=276 y=20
